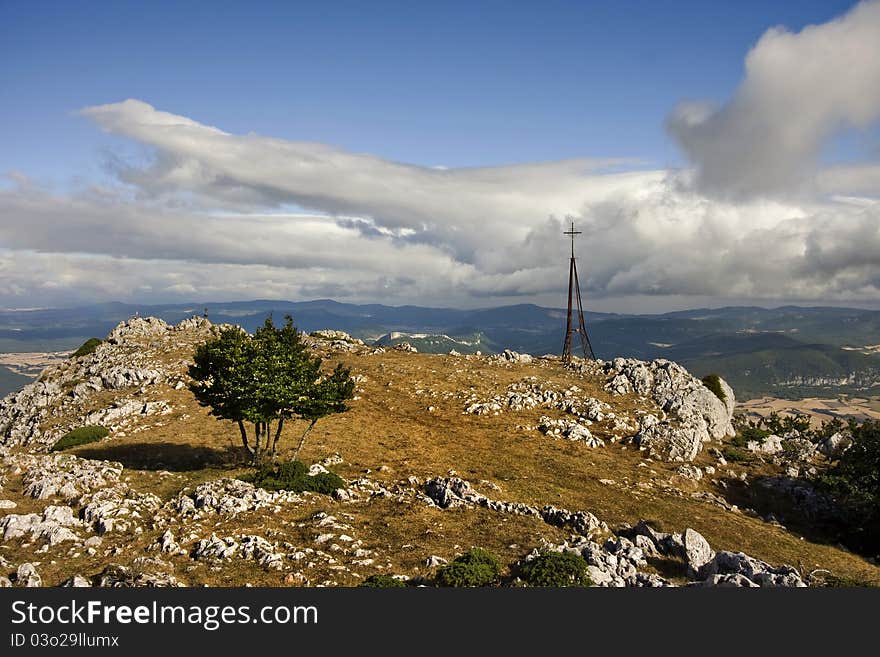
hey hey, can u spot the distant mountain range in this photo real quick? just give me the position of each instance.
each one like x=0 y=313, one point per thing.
x=787 y=352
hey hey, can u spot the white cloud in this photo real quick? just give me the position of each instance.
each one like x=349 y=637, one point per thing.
x=209 y=217
x=799 y=91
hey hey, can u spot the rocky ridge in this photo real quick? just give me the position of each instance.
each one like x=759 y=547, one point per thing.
x=127 y=362
x=88 y=506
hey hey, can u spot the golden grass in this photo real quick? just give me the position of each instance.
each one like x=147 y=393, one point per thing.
x=390 y=434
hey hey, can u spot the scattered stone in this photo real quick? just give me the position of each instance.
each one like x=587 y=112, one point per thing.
x=116 y=576
x=65 y=476
x=230 y=496
x=570 y=430
x=772 y=444
x=77 y=581
x=54 y=525
x=689 y=472
x=26 y=575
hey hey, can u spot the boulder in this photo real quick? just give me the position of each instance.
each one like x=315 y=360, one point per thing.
x=755 y=570
x=665 y=441
x=77 y=581
x=835 y=445
x=697 y=552
x=700 y=415
x=27 y=575
x=772 y=444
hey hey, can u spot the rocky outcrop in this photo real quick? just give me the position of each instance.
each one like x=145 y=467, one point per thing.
x=56 y=524
x=136 y=355
x=230 y=497
x=447 y=492
x=696 y=414
x=708 y=568
x=738 y=569
x=834 y=446
x=63 y=475
x=668 y=442
x=569 y=429
x=771 y=444
x=245 y=546
x=120 y=509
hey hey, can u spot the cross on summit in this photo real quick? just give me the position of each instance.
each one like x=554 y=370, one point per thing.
x=572 y=232
x=574 y=294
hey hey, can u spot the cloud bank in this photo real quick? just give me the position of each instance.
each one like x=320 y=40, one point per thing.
x=799 y=91
x=214 y=215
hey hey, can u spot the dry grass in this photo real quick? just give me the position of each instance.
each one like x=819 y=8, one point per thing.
x=390 y=434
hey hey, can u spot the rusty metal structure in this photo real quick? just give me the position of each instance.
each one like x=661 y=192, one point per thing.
x=574 y=296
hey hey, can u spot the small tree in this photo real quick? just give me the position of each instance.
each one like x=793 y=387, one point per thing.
x=266 y=378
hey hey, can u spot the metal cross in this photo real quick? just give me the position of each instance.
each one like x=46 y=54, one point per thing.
x=572 y=232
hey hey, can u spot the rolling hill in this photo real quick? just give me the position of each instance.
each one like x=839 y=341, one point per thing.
x=789 y=351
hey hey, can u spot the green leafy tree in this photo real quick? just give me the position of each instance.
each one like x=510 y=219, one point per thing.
x=855 y=483
x=266 y=379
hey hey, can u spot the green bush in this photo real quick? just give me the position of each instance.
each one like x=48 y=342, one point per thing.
x=713 y=382
x=781 y=425
x=749 y=434
x=828 y=429
x=854 y=482
x=293 y=476
x=87 y=347
x=556 y=569
x=382 y=582
x=474 y=568
x=80 y=436
x=736 y=454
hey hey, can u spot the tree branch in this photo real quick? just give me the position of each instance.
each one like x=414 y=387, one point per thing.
x=302 y=439
x=277 y=436
x=244 y=437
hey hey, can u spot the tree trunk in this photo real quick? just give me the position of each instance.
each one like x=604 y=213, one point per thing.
x=302 y=439
x=277 y=436
x=244 y=437
x=257 y=435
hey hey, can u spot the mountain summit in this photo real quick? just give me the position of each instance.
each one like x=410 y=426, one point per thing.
x=113 y=475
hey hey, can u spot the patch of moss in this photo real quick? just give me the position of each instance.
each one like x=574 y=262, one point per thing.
x=80 y=436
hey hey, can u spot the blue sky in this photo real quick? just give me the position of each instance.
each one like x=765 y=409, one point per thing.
x=713 y=153
x=451 y=83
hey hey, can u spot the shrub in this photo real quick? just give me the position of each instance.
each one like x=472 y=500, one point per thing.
x=734 y=454
x=854 y=482
x=556 y=569
x=87 y=347
x=749 y=434
x=713 y=382
x=829 y=428
x=80 y=436
x=781 y=425
x=293 y=476
x=382 y=582
x=474 y=568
